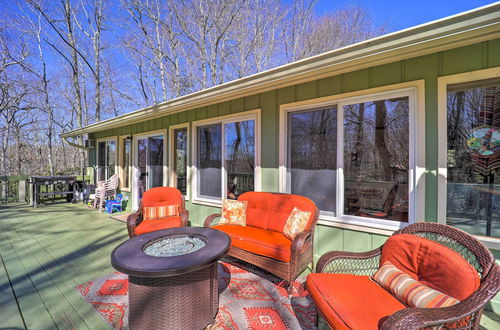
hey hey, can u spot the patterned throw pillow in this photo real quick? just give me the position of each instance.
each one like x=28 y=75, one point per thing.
x=234 y=212
x=296 y=223
x=410 y=291
x=160 y=212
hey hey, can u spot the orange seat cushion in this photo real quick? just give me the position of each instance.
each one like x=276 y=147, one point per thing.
x=270 y=211
x=432 y=264
x=147 y=226
x=351 y=301
x=259 y=241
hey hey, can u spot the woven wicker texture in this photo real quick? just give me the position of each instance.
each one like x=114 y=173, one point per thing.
x=188 y=301
x=465 y=315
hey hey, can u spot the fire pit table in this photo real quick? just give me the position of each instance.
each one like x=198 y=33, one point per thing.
x=172 y=277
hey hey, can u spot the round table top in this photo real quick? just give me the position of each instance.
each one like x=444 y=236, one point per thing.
x=129 y=257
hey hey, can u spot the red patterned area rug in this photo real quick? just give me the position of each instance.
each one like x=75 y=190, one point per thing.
x=249 y=299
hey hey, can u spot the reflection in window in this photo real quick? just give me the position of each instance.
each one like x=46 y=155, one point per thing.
x=376 y=159
x=180 y=158
x=239 y=157
x=312 y=161
x=106 y=156
x=127 y=144
x=209 y=161
x=226 y=153
x=473 y=179
x=155 y=162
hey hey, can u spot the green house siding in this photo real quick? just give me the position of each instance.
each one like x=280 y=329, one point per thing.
x=429 y=67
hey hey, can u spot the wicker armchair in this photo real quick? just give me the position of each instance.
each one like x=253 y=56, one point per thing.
x=464 y=315
x=160 y=196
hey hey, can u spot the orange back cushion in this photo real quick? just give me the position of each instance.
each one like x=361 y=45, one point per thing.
x=161 y=196
x=431 y=263
x=258 y=208
x=283 y=205
x=270 y=210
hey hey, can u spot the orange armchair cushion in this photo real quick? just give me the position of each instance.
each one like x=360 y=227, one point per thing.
x=259 y=241
x=161 y=196
x=432 y=264
x=342 y=299
x=147 y=226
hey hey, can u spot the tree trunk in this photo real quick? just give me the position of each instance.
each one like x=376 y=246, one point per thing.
x=76 y=74
x=380 y=143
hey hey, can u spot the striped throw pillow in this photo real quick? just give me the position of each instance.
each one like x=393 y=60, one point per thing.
x=410 y=291
x=160 y=212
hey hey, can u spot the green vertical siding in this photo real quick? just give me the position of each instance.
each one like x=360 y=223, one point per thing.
x=429 y=68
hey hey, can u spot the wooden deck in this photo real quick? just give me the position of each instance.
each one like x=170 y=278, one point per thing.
x=46 y=252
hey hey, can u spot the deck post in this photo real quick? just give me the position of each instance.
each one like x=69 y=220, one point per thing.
x=22 y=191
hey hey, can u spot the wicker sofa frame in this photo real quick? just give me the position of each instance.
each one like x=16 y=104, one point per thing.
x=135 y=219
x=301 y=253
x=464 y=315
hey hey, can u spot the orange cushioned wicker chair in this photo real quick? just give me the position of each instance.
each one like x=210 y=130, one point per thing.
x=436 y=256
x=148 y=219
x=261 y=241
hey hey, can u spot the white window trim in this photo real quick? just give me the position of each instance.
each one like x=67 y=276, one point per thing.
x=416 y=92
x=134 y=178
x=171 y=156
x=443 y=82
x=241 y=116
x=111 y=138
x=121 y=174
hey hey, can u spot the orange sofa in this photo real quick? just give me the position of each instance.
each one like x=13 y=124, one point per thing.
x=160 y=196
x=440 y=257
x=262 y=243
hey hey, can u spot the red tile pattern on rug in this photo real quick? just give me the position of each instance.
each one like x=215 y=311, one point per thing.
x=114 y=287
x=249 y=298
x=264 y=318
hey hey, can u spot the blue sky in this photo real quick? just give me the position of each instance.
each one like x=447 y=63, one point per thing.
x=405 y=13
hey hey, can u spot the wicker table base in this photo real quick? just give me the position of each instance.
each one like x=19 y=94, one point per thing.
x=188 y=301
x=172 y=292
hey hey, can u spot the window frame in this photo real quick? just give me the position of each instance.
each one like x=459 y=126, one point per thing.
x=442 y=189
x=112 y=138
x=121 y=172
x=171 y=173
x=416 y=179
x=222 y=120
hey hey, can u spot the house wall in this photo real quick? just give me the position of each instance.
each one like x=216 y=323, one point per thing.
x=429 y=67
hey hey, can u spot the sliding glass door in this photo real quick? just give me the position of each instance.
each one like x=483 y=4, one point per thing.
x=149 y=164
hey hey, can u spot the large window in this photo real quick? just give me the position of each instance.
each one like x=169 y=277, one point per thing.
x=225 y=158
x=473 y=157
x=106 y=159
x=355 y=158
